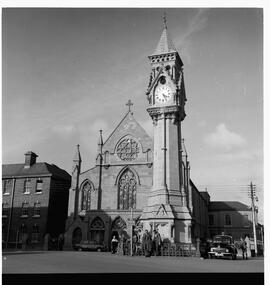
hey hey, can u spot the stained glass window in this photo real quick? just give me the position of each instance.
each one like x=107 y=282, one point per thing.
x=127 y=190
x=128 y=149
x=86 y=196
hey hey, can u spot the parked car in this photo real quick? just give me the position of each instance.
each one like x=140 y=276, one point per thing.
x=222 y=246
x=90 y=246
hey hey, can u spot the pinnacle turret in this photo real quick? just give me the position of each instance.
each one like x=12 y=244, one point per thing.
x=77 y=156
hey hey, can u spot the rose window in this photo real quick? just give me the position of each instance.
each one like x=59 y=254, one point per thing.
x=128 y=149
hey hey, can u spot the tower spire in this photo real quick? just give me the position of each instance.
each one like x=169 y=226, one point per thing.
x=164 y=20
x=165 y=44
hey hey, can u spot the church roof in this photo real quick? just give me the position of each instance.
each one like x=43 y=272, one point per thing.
x=228 y=206
x=165 y=44
x=128 y=125
x=39 y=168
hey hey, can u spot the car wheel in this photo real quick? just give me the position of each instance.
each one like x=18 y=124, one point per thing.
x=99 y=249
x=79 y=249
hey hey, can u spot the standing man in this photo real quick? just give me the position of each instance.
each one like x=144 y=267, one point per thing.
x=243 y=247
x=156 y=242
x=147 y=243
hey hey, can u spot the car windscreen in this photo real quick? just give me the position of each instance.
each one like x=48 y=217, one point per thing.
x=221 y=244
x=222 y=240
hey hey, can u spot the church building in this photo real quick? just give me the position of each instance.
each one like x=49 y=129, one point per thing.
x=141 y=182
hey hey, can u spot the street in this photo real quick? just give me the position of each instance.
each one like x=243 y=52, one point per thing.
x=105 y=262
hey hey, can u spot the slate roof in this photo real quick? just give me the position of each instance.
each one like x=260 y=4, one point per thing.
x=228 y=206
x=165 y=44
x=39 y=168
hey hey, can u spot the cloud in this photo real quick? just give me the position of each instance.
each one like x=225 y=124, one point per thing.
x=202 y=123
x=236 y=156
x=63 y=130
x=197 y=23
x=224 y=139
x=88 y=137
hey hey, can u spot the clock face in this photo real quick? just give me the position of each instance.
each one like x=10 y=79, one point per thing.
x=163 y=94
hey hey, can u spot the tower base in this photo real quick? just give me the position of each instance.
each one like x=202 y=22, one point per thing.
x=173 y=223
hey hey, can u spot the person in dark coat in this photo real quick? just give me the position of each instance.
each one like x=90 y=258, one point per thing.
x=147 y=243
x=156 y=243
x=243 y=246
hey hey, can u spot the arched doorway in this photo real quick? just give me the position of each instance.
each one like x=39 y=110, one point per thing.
x=97 y=230
x=76 y=236
x=118 y=228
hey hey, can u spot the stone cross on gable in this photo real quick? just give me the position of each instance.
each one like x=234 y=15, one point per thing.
x=129 y=104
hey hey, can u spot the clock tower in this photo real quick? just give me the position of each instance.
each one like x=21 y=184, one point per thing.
x=168 y=201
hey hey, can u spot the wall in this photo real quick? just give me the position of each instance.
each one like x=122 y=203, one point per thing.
x=19 y=198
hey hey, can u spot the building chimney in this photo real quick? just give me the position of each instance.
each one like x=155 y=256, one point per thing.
x=30 y=159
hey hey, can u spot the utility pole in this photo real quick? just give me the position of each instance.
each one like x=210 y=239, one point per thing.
x=100 y=144
x=252 y=196
x=131 y=236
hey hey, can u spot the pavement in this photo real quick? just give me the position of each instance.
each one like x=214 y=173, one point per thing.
x=105 y=262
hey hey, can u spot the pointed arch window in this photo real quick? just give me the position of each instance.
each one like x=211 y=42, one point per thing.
x=86 y=196
x=97 y=230
x=127 y=188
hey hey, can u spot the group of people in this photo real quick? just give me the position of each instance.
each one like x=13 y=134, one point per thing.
x=147 y=243
x=151 y=244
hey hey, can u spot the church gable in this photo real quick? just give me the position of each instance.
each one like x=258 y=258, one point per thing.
x=128 y=143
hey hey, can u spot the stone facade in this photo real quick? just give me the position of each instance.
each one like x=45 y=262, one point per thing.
x=126 y=166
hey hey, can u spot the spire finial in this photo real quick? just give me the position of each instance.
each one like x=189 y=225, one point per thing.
x=129 y=104
x=100 y=143
x=164 y=20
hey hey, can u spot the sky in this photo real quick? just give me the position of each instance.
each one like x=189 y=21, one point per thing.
x=67 y=73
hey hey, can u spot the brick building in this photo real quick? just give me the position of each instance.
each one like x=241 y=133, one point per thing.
x=233 y=218
x=34 y=202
